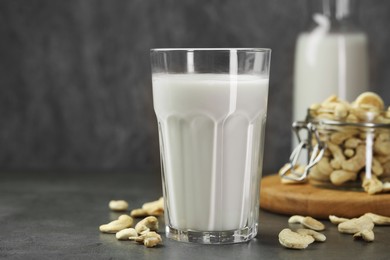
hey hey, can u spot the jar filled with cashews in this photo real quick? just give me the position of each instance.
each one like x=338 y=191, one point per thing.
x=348 y=145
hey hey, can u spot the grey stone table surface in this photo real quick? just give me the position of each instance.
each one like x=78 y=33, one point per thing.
x=56 y=216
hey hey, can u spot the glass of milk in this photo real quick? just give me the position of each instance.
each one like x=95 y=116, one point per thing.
x=211 y=107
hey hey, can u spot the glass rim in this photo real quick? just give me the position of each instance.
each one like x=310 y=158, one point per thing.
x=333 y=122
x=264 y=50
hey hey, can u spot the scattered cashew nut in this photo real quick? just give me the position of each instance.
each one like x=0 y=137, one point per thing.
x=308 y=222
x=361 y=227
x=124 y=221
x=118 y=205
x=124 y=234
x=149 y=239
x=147 y=224
x=153 y=208
x=294 y=240
x=356 y=225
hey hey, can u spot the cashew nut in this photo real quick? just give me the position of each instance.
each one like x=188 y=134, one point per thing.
x=371 y=99
x=308 y=222
x=153 y=208
x=294 y=240
x=316 y=235
x=149 y=239
x=356 y=225
x=124 y=221
x=118 y=205
x=152 y=239
x=124 y=234
x=147 y=224
x=357 y=162
x=349 y=152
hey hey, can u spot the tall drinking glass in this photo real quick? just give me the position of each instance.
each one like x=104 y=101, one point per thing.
x=211 y=107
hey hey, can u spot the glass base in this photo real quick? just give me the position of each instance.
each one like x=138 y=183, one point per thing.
x=212 y=237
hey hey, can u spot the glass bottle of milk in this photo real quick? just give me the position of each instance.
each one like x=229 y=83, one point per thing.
x=331 y=56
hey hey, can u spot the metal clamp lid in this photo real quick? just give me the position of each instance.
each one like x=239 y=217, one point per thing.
x=314 y=154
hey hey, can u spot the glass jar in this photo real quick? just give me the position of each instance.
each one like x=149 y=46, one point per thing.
x=345 y=154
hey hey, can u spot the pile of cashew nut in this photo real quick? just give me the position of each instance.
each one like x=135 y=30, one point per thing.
x=349 y=148
x=144 y=231
x=300 y=238
x=361 y=227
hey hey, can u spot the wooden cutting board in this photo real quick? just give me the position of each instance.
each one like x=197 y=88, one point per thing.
x=308 y=200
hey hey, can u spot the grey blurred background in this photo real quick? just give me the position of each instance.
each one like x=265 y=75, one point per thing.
x=75 y=86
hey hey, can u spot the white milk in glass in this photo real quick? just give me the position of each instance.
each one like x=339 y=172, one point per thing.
x=211 y=129
x=329 y=63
